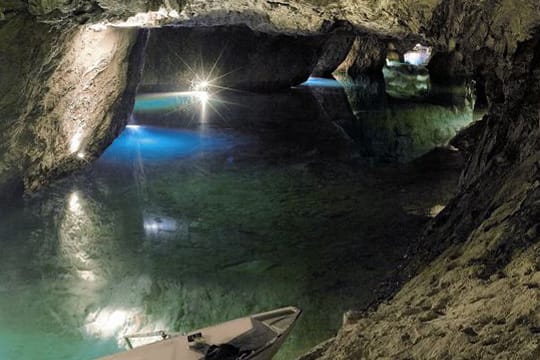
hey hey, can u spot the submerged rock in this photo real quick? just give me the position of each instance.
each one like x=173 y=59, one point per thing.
x=228 y=56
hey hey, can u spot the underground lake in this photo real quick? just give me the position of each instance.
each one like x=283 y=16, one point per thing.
x=200 y=212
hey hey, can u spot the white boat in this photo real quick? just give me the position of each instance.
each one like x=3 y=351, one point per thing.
x=255 y=337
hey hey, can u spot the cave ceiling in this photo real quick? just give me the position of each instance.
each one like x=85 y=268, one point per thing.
x=382 y=16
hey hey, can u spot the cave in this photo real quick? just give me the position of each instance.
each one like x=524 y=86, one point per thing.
x=171 y=165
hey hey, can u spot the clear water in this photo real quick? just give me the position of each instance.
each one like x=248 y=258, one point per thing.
x=200 y=215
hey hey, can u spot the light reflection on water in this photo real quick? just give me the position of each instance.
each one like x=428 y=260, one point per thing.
x=154 y=144
x=165 y=231
x=322 y=83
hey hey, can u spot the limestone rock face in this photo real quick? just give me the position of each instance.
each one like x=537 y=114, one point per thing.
x=64 y=96
x=228 y=56
x=335 y=50
x=367 y=55
x=485 y=34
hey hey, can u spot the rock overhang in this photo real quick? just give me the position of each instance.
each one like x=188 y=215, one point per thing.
x=288 y=16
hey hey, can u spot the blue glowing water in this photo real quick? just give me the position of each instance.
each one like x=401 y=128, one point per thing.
x=322 y=82
x=155 y=144
x=164 y=101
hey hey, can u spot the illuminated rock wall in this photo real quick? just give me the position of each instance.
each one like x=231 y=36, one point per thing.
x=65 y=96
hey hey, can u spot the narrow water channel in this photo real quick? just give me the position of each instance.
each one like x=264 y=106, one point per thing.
x=198 y=214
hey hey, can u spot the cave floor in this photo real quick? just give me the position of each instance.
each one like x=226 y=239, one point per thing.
x=187 y=221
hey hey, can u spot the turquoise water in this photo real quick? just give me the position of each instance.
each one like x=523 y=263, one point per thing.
x=195 y=217
x=155 y=144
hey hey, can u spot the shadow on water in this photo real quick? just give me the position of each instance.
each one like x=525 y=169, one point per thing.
x=190 y=219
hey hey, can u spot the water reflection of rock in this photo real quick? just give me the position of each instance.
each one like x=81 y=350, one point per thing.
x=334 y=117
x=365 y=92
x=405 y=81
x=66 y=243
x=107 y=292
x=402 y=129
x=105 y=270
x=196 y=240
x=290 y=122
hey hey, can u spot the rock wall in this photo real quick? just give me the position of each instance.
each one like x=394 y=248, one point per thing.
x=64 y=96
x=335 y=49
x=367 y=55
x=446 y=67
x=60 y=8
x=228 y=57
x=472 y=288
x=292 y=16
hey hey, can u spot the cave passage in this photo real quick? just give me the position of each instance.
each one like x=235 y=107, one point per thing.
x=199 y=213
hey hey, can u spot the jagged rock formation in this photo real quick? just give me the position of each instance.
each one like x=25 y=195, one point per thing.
x=476 y=290
x=228 y=56
x=64 y=96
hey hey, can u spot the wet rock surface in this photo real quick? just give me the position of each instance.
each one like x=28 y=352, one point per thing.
x=228 y=57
